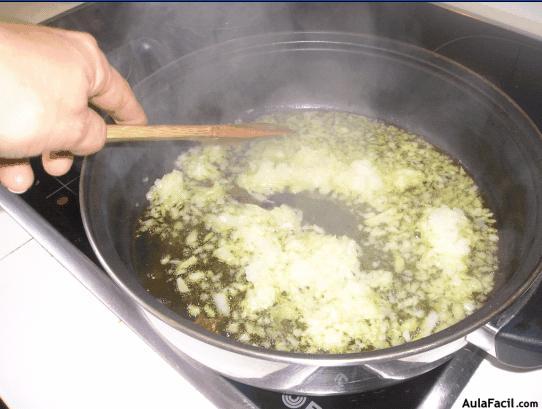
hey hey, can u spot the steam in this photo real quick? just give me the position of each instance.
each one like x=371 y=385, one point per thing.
x=248 y=75
x=149 y=36
x=223 y=84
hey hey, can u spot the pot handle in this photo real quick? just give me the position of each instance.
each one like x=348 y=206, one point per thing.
x=514 y=338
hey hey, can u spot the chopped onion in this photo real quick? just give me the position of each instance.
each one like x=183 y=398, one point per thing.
x=181 y=285
x=278 y=281
x=222 y=305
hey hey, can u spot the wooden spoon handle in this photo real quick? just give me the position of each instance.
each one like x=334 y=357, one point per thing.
x=116 y=133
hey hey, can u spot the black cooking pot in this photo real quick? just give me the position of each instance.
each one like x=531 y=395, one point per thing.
x=448 y=105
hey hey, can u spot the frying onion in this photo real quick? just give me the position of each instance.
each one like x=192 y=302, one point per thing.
x=423 y=257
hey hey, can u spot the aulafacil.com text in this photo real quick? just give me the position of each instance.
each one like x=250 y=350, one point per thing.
x=498 y=403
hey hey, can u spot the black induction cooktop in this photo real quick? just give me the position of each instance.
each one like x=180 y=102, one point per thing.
x=140 y=38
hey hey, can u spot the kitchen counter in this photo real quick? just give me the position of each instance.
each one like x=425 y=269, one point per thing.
x=32 y=12
x=522 y=17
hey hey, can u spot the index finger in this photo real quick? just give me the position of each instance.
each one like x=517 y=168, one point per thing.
x=115 y=96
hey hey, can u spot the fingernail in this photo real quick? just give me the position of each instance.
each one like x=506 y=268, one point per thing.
x=20 y=184
x=17 y=192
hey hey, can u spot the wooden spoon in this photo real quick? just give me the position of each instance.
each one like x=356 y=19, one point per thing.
x=119 y=133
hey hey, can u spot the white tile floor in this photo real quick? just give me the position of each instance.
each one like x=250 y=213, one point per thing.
x=12 y=236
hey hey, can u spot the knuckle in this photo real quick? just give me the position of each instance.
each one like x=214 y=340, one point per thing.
x=88 y=40
x=90 y=58
x=90 y=47
x=79 y=131
x=123 y=100
x=10 y=147
x=103 y=78
x=100 y=132
x=94 y=134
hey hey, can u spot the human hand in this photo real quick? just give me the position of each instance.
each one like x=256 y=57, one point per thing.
x=48 y=77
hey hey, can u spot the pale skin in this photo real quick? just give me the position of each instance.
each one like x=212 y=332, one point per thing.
x=48 y=78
